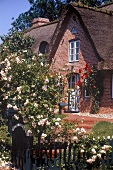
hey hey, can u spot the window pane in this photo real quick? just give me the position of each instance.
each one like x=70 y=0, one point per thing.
x=74 y=51
x=71 y=57
x=77 y=43
x=87 y=88
x=71 y=51
x=77 y=56
x=73 y=79
x=73 y=85
x=77 y=78
x=71 y=44
x=77 y=50
x=87 y=93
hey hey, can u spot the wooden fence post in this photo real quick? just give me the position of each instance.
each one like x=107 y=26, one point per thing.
x=29 y=145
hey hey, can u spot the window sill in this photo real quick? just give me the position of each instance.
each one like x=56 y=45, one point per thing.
x=73 y=61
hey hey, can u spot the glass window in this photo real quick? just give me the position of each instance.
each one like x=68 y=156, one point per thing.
x=74 y=48
x=43 y=48
x=73 y=81
x=74 y=30
x=87 y=94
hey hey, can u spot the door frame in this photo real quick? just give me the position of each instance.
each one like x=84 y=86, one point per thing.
x=74 y=93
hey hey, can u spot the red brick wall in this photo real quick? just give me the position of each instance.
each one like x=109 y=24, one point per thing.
x=86 y=55
x=86 y=51
x=106 y=106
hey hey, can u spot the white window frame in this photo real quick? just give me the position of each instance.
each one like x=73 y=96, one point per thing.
x=112 y=87
x=74 y=49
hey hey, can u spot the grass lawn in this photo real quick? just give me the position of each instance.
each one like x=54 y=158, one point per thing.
x=103 y=129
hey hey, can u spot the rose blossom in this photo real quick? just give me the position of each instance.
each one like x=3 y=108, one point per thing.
x=93 y=150
x=44 y=87
x=75 y=138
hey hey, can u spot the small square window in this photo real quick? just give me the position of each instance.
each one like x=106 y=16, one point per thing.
x=74 y=30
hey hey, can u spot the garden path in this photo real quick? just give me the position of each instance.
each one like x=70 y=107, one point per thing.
x=86 y=120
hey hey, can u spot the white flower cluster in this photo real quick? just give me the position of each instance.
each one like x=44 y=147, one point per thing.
x=42 y=122
x=19 y=89
x=4 y=72
x=80 y=131
x=27 y=102
x=99 y=154
x=4 y=155
x=11 y=106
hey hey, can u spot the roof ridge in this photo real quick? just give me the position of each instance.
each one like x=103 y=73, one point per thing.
x=80 y=5
x=106 y=4
x=50 y=23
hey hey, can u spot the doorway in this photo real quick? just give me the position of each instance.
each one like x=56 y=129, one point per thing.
x=74 y=93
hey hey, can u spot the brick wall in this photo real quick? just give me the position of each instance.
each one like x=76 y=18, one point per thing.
x=86 y=55
x=106 y=106
x=86 y=51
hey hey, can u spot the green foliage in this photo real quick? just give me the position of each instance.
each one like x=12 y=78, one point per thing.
x=94 y=84
x=50 y=9
x=44 y=8
x=103 y=129
x=5 y=144
x=28 y=85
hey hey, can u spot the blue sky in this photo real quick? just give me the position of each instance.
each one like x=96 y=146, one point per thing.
x=10 y=9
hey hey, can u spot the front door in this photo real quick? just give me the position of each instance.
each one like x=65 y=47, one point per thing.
x=74 y=94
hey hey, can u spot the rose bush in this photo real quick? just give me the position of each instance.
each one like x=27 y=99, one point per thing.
x=91 y=80
x=28 y=85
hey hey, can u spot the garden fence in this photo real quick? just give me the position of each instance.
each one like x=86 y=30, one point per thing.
x=51 y=155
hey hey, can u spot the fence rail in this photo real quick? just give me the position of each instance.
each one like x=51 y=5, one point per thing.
x=51 y=155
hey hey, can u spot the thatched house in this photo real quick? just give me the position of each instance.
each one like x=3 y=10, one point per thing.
x=82 y=35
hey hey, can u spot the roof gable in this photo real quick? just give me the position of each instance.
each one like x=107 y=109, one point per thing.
x=97 y=24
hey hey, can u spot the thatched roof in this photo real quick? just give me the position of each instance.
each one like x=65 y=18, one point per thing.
x=42 y=33
x=97 y=24
x=107 y=6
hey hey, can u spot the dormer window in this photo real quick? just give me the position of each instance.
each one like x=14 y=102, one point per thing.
x=43 y=48
x=74 y=48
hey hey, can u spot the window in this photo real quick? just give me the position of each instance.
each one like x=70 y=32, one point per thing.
x=43 y=48
x=73 y=81
x=86 y=88
x=74 y=47
x=74 y=30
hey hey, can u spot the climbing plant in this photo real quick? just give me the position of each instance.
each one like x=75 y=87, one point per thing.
x=91 y=80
